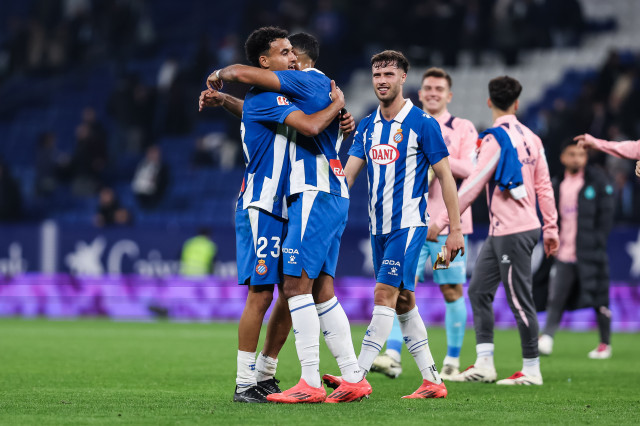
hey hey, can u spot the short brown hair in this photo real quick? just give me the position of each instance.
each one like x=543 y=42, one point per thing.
x=438 y=73
x=504 y=91
x=390 y=57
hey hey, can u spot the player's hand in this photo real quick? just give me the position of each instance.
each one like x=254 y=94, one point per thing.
x=210 y=98
x=337 y=97
x=585 y=141
x=454 y=244
x=347 y=124
x=638 y=169
x=433 y=232
x=213 y=81
x=551 y=245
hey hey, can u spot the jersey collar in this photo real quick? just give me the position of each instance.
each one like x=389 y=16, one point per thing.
x=400 y=116
x=313 y=69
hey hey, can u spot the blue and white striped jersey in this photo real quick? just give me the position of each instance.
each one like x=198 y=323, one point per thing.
x=315 y=165
x=265 y=142
x=398 y=155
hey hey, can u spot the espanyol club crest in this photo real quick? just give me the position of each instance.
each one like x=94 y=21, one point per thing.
x=397 y=138
x=261 y=268
x=383 y=154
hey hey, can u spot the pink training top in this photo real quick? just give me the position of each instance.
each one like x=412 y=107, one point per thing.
x=507 y=215
x=461 y=137
x=627 y=149
x=568 y=205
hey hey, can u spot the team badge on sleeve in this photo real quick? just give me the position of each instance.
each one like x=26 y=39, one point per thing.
x=283 y=100
x=261 y=268
x=397 y=138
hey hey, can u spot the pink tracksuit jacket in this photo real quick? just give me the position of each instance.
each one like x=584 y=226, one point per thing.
x=461 y=137
x=509 y=216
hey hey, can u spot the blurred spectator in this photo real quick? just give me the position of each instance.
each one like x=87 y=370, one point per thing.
x=201 y=155
x=198 y=254
x=109 y=210
x=50 y=164
x=10 y=196
x=89 y=159
x=151 y=179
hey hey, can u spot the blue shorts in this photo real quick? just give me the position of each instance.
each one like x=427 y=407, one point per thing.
x=395 y=256
x=457 y=272
x=259 y=236
x=316 y=222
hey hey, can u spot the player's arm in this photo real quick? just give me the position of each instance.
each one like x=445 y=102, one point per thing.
x=455 y=240
x=627 y=149
x=472 y=186
x=353 y=168
x=312 y=125
x=462 y=162
x=213 y=98
x=547 y=204
x=638 y=169
x=254 y=76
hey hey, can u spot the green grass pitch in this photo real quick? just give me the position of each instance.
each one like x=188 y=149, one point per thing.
x=102 y=372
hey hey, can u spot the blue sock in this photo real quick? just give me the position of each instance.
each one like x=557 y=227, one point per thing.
x=455 y=322
x=394 y=342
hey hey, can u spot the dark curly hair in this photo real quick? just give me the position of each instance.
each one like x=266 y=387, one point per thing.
x=306 y=43
x=390 y=57
x=259 y=43
x=504 y=91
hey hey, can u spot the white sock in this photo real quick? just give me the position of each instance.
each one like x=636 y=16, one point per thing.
x=485 y=355
x=265 y=367
x=395 y=355
x=334 y=325
x=531 y=366
x=415 y=337
x=449 y=360
x=306 y=329
x=375 y=336
x=245 y=376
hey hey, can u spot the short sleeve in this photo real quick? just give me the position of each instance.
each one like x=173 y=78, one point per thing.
x=270 y=107
x=297 y=84
x=357 y=147
x=433 y=145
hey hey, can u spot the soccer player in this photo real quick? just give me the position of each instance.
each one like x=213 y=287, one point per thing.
x=585 y=208
x=318 y=205
x=268 y=123
x=461 y=137
x=397 y=143
x=512 y=164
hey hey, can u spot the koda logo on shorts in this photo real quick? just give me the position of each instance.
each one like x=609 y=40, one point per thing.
x=390 y=262
x=336 y=167
x=290 y=250
x=261 y=268
x=383 y=154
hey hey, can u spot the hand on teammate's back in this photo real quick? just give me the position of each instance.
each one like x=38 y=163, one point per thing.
x=213 y=81
x=337 y=96
x=347 y=124
x=210 y=98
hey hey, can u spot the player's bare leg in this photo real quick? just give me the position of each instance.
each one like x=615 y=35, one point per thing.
x=278 y=329
x=259 y=299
